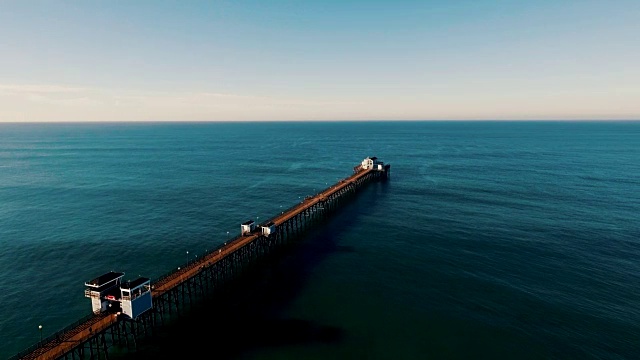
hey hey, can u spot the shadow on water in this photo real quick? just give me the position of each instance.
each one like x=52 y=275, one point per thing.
x=248 y=313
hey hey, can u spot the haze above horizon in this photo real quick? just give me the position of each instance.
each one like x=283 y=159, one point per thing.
x=333 y=60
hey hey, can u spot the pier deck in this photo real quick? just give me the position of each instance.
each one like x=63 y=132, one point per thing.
x=65 y=343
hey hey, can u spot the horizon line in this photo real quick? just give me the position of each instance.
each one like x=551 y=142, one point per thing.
x=314 y=121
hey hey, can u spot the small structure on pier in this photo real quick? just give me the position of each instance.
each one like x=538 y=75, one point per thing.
x=109 y=293
x=135 y=297
x=268 y=228
x=372 y=162
x=247 y=227
x=103 y=290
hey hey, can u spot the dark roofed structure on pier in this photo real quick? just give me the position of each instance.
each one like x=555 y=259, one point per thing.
x=247 y=227
x=108 y=293
x=136 y=297
x=268 y=228
x=103 y=290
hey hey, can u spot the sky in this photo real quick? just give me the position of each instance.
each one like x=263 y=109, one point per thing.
x=319 y=60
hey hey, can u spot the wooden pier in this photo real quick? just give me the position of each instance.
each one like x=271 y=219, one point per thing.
x=92 y=337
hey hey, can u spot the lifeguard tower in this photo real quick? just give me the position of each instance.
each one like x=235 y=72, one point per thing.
x=103 y=290
x=108 y=293
x=135 y=297
x=269 y=228
x=247 y=227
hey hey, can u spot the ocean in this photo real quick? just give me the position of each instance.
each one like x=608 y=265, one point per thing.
x=490 y=240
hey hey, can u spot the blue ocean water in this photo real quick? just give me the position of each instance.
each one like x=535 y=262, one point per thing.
x=492 y=240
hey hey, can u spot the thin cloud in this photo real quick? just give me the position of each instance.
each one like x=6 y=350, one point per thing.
x=40 y=89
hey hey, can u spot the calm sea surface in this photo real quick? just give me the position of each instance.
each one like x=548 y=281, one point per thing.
x=492 y=240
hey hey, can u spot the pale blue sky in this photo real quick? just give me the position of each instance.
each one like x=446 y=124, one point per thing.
x=318 y=60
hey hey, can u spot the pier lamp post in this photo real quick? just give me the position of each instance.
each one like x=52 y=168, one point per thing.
x=40 y=328
x=227 y=236
x=187 y=257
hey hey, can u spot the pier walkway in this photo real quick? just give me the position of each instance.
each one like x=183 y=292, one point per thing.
x=65 y=344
